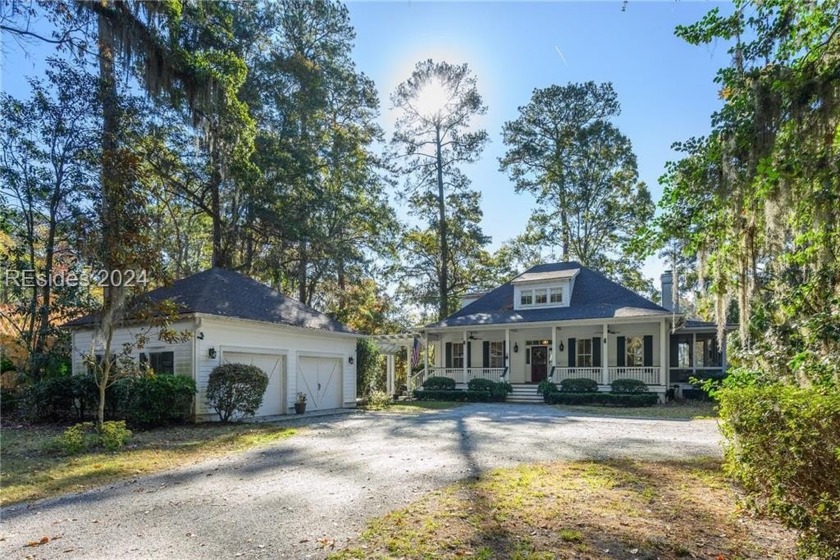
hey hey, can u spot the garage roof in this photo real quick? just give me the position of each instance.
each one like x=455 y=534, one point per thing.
x=225 y=293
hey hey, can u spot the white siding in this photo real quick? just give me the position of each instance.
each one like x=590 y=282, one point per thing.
x=239 y=336
x=83 y=344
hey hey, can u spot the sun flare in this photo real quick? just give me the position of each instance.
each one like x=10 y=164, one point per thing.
x=432 y=98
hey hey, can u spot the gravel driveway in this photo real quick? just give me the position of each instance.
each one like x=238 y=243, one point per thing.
x=291 y=499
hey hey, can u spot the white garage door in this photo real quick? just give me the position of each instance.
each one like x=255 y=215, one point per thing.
x=320 y=379
x=273 y=367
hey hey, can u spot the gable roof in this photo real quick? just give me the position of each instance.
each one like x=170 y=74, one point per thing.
x=594 y=297
x=225 y=293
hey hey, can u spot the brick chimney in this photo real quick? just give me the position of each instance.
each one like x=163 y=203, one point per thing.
x=668 y=303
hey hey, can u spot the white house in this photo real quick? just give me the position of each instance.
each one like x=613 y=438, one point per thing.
x=563 y=320
x=233 y=318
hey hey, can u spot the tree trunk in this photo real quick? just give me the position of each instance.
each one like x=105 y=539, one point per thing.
x=301 y=272
x=442 y=229
x=112 y=204
x=219 y=259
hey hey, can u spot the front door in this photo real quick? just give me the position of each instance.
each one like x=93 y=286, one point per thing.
x=539 y=363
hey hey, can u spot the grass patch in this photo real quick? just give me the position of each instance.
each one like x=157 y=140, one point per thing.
x=34 y=467
x=690 y=410
x=421 y=406
x=585 y=510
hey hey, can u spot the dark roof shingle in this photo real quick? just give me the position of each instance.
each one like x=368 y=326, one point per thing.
x=594 y=297
x=225 y=293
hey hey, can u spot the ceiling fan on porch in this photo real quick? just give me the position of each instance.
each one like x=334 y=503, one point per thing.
x=471 y=336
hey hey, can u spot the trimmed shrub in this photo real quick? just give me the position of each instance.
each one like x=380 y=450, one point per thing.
x=378 y=400
x=80 y=437
x=158 y=400
x=545 y=388
x=236 y=390
x=784 y=447
x=500 y=391
x=439 y=383
x=609 y=399
x=368 y=365
x=114 y=435
x=629 y=386
x=578 y=385
x=481 y=385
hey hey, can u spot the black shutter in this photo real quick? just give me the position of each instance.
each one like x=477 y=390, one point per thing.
x=621 y=349
x=485 y=354
x=675 y=351
x=596 y=351
x=468 y=350
x=448 y=354
x=648 y=349
x=572 y=352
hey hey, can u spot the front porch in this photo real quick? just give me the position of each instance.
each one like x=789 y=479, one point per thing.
x=649 y=375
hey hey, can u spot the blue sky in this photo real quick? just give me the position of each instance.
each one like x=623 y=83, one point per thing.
x=665 y=85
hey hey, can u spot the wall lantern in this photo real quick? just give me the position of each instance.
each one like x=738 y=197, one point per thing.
x=560 y=346
x=516 y=347
x=200 y=335
x=212 y=353
x=350 y=360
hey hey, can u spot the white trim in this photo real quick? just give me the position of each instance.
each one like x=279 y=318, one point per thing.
x=654 y=319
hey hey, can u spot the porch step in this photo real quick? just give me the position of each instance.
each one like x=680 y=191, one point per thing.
x=524 y=394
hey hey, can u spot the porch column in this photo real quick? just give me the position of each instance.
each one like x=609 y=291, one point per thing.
x=663 y=352
x=425 y=355
x=553 y=347
x=464 y=377
x=389 y=365
x=407 y=363
x=605 y=359
x=507 y=353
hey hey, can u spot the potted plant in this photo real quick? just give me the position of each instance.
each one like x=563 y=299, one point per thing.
x=300 y=403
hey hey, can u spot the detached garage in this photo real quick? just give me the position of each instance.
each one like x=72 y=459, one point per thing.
x=235 y=319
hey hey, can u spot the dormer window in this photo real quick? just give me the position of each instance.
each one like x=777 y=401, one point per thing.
x=544 y=289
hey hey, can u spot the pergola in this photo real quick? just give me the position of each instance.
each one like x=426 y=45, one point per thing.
x=392 y=344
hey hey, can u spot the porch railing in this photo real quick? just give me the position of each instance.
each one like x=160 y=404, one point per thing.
x=561 y=373
x=649 y=375
x=457 y=374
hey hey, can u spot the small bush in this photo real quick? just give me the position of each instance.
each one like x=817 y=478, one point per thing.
x=500 y=391
x=578 y=385
x=439 y=383
x=784 y=447
x=629 y=386
x=83 y=436
x=368 y=365
x=610 y=399
x=546 y=387
x=481 y=385
x=236 y=390
x=157 y=400
x=114 y=435
x=378 y=400
x=78 y=438
x=9 y=399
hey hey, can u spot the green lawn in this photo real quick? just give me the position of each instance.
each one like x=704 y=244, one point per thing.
x=418 y=406
x=33 y=467
x=690 y=410
x=626 y=510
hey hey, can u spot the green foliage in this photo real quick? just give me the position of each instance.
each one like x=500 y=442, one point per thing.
x=578 y=385
x=546 y=387
x=607 y=399
x=565 y=150
x=478 y=384
x=157 y=400
x=9 y=400
x=83 y=436
x=114 y=435
x=438 y=382
x=377 y=400
x=500 y=390
x=455 y=395
x=629 y=386
x=368 y=366
x=784 y=447
x=236 y=390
